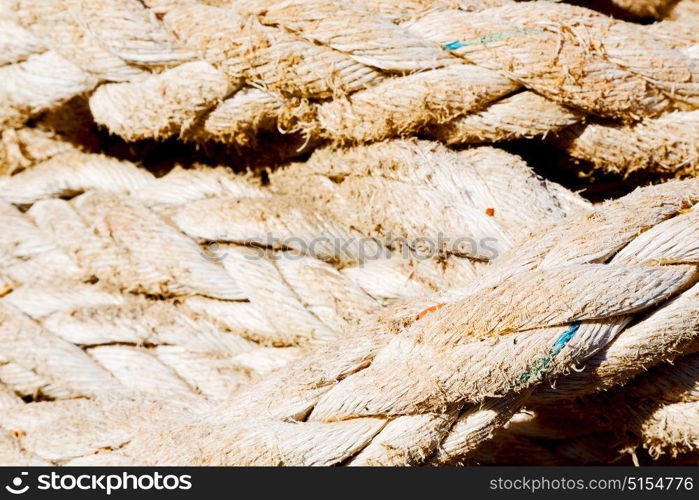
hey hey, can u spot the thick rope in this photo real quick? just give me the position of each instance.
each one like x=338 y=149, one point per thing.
x=184 y=289
x=369 y=71
x=192 y=283
x=673 y=9
x=432 y=385
x=656 y=411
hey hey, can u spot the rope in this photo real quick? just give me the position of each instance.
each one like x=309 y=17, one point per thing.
x=195 y=282
x=387 y=301
x=673 y=9
x=655 y=411
x=616 y=287
x=370 y=71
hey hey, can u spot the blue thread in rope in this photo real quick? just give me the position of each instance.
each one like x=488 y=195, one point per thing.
x=491 y=38
x=540 y=365
x=565 y=338
x=454 y=45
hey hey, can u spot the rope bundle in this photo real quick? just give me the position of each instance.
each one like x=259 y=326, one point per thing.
x=157 y=276
x=383 y=299
x=361 y=72
x=673 y=9
x=418 y=387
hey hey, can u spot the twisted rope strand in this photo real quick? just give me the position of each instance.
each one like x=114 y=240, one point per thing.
x=157 y=276
x=355 y=57
x=434 y=387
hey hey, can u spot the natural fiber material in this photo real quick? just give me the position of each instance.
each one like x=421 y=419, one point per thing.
x=674 y=9
x=432 y=385
x=642 y=8
x=369 y=71
x=382 y=300
x=656 y=411
x=155 y=278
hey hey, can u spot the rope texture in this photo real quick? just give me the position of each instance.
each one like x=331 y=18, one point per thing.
x=194 y=282
x=582 y=305
x=204 y=317
x=475 y=71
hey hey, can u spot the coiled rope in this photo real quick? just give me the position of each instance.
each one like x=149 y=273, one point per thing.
x=352 y=72
x=613 y=291
x=196 y=281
